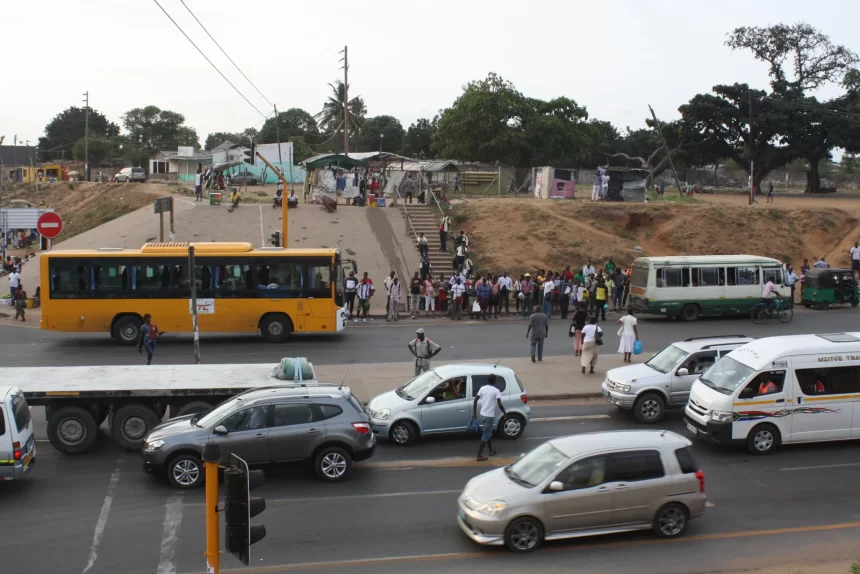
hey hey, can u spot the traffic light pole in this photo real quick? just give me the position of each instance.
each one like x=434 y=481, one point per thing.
x=284 y=219
x=211 y=460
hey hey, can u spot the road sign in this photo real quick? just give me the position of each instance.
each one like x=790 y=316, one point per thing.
x=162 y=204
x=49 y=224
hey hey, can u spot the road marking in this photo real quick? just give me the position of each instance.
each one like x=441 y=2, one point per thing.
x=19 y=326
x=351 y=497
x=341 y=564
x=709 y=504
x=103 y=518
x=846 y=465
x=570 y=418
x=172 y=520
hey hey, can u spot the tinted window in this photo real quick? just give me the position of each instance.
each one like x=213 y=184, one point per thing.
x=635 y=466
x=2 y=423
x=20 y=411
x=686 y=461
x=247 y=419
x=698 y=363
x=296 y=414
x=829 y=381
x=584 y=473
x=357 y=404
x=325 y=412
x=479 y=381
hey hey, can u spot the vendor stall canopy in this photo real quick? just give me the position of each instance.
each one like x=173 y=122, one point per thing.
x=337 y=159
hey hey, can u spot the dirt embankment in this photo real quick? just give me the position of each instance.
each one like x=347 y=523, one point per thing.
x=525 y=234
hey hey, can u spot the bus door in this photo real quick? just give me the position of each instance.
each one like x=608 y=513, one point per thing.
x=321 y=285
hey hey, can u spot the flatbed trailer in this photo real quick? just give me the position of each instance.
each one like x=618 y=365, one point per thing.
x=134 y=399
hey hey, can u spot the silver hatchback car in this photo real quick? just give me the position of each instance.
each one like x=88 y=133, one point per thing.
x=440 y=401
x=583 y=485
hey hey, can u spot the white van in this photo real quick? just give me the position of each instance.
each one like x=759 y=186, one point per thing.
x=17 y=440
x=780 y=390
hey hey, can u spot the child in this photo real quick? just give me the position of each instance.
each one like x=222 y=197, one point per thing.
x=20 y=303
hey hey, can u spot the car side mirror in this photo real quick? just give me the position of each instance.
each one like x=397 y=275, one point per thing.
x=683 y=372
x=429 y=400
x=220 y=429
x=556 y=486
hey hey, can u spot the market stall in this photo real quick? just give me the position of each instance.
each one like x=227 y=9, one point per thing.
x=331 y=176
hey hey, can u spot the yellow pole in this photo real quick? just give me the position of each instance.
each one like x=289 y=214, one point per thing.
x=285 y=223
x=211 y=459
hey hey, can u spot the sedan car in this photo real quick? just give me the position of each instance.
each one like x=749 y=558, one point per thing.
x=441 y=400
x=243 y=178
x=586 y=484
x=324 y=424
x=128 y=174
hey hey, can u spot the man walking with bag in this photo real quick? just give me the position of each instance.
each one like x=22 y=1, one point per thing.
x=490 y=398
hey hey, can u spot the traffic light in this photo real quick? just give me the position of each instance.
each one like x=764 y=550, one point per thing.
x=239 y=508
x=251 y=154
x=276 y=239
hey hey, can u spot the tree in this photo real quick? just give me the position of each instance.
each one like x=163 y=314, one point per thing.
x=802 y=59
x=331 y=118
x=419 y=138
x=291 y=123
x=381 y=132
x=215 y=139
x=67 y=127
x=98 y=150
x=159 y=129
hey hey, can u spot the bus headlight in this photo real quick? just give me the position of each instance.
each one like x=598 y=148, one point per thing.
x=721 y=416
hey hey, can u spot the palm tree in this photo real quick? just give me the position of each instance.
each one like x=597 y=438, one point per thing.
x=331 y=116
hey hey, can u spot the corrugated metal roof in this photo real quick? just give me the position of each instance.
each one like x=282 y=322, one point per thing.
x=429 y=166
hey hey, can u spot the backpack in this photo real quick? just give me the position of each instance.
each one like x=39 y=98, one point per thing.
x=152 y=332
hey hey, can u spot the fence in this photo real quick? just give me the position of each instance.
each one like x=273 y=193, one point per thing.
x=740 y=178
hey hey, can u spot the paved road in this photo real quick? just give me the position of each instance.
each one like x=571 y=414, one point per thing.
x=377 y=343
x=100 y=513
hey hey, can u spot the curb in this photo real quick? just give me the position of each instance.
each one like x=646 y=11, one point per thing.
x=564 y=396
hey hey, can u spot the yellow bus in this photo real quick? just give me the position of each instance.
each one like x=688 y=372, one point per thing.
x=272 y=290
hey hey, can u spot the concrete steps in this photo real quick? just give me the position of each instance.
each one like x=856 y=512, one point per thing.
x=425 y=218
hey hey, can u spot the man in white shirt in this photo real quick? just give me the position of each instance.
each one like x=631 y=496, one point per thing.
x=855 y=257
x=14 y=282
x=768 y=294
x=443 y=232
x=588 y=270
x=457 y=290
x=198 y=186
x=490 y=398
x=506 y=285
x=790 y=279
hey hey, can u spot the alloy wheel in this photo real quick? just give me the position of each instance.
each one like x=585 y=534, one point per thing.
x=512 y=426
x=333 y=465
x=672 y=521
x=763 y=440
x=524 y=536
x=186 y=472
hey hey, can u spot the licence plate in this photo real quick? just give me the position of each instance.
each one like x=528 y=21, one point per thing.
x=692 y=429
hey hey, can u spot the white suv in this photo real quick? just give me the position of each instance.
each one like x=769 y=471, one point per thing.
x=664 y=381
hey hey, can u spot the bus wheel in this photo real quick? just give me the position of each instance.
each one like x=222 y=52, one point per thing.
x=276 y=328
x=690 y=312
x=126 y=330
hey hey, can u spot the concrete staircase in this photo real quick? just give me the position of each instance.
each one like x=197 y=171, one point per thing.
x=425 y=218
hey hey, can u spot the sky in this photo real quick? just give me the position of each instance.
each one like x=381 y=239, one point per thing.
x=408 y=59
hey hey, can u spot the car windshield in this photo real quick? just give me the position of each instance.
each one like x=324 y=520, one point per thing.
x=667 y=359
x=536 y=466
x=419 y=385
x=216 y=414
x=726 y=375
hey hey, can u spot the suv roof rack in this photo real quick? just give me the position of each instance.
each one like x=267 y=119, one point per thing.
x=716 y=337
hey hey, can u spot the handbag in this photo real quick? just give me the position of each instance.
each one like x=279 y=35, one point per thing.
x=572 y=331
x=474 y=426
x=637 y=347
x=620 y=330
x=598 y=337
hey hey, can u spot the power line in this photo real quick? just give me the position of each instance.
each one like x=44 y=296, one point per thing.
x=809 y=108
x=225 y=53
x=207 y=59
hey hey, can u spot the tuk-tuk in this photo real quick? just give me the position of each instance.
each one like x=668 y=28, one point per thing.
x=825 y=287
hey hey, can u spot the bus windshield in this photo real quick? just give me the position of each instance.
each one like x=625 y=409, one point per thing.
x=726 y=375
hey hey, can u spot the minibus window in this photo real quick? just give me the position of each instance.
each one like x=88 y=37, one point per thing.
x=767 y=383
x=20 y=411
x=829 y=381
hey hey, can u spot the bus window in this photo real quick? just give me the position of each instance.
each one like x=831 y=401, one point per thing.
x=69 y=280
x=706 y=276
x=742 y=275
x=282 y=280
x=319 y=279
x=774 y=275
x=668 y=277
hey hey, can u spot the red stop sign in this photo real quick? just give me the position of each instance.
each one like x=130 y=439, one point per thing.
x=49 y=225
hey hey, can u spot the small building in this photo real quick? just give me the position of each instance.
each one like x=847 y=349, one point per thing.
x=170 y=165
x=554 y=183
x=626 y=184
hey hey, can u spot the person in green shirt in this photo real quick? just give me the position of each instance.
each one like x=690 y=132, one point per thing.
x=610 y=266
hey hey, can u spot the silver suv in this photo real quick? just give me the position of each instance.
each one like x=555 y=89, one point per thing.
x=127 y=174
x=665 y=380
x=322 y=424
x=586 y=484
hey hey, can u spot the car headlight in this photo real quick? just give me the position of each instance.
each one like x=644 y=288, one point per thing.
x=623 y=388
x=153 y=445
x=492 y=508
x=382 y=414
x=721 y=416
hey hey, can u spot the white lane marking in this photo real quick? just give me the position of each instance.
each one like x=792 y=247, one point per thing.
x=103 y=518
x=172 y=521
x=709 y=504
x=352 y=497
x=262 y=233
x=191 y=203
x=846 y=465
x=570 y=418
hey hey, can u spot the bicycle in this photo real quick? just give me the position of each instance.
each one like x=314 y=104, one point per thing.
x=759 y=312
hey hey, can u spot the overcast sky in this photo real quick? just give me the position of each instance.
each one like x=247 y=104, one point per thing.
x=408 y=58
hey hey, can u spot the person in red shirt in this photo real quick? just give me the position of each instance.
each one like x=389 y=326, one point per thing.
x=567 y=274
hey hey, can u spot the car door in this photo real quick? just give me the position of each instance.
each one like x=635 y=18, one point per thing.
x=585 y=501
x=449 y=410
x=695 y=365
x=247 y=435
x=637 y=480
x=293 y=432
x=753 y=406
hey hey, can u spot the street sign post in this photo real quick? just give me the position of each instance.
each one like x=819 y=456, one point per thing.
x=49 y=225
x=161 y=205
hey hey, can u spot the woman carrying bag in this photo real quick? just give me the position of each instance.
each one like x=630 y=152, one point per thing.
x=592 y=338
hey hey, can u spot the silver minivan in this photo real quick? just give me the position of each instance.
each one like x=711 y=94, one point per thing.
x=440 y=401
x=584 y=485
x=17 y=438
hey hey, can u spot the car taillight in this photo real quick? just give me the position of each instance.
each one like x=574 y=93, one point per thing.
x=701 y=477
x=362 y=428
x=17 y=454
x=524 y=399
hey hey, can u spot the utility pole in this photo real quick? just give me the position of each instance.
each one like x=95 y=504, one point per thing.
x=86 y=136
x=14 y=162
x=278 y=137
x=193 y=276
x=752 y=163
x=666 y=148
x=345 y=61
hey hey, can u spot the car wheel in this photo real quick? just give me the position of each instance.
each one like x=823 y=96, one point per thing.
x=72 y=430
x=185 y=471
x=824 y=305
x=131 y=424
x=332 y=464
x=524 y=535
x=512 y=426
x=671 y=520
x=403 y=433
x=690 y=312
x=650 y=408
x=763 y=439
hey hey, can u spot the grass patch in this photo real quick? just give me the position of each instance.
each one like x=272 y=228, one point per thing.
x=650 y=234
x=459 y=218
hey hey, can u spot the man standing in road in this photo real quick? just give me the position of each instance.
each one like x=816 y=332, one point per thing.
x=148 y=336
x=443 y=233
x=424 y=349
x=350 y=287
x=490 y=398
x=415 y=286
x=539 y=330
x=527 y=289
x=198 y=186
x=457 y=291
x=365 y=291
x=389 y=281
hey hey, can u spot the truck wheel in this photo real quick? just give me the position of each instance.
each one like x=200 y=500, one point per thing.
x=126 y=330
x=131 y=424
x=191 y=408
x=72 y=430
x=276 y=328
x=650 y=408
